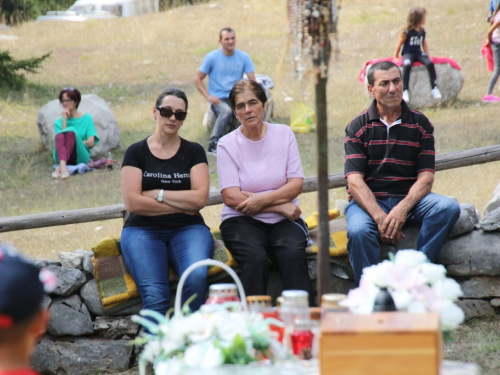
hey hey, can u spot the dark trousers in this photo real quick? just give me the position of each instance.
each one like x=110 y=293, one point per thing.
x=251 y=242
x=409 y=59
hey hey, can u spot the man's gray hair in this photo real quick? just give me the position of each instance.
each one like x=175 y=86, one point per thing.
x=382 y=65
x=225 y=29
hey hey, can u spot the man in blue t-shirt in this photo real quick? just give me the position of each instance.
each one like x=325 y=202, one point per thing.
x=224 y=67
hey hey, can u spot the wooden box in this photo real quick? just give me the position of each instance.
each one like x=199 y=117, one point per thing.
x=383 y=343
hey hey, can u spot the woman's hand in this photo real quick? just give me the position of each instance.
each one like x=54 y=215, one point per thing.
x=66 y=113
x=90 y=142
x=255 y=203
x=290 y=211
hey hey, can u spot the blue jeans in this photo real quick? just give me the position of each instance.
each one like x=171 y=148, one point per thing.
x=148 y=252
x=436 y=213
x=224 y=115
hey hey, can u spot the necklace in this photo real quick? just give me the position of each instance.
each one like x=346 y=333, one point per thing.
x=170 y=150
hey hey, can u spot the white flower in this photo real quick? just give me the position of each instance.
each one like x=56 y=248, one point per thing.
x=203 y=355
x=451 y=316
x=361 y=300
x=172 y=366
x=228 y=325
x=198 y=327
x=409 y=258
x=448 y=289
x=416 y=307
x=151 y=350
x=402 y=298
x=432 y=272
x=377 y=274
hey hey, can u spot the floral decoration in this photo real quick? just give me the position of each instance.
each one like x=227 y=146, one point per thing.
x=415 y=284
x=206 y=339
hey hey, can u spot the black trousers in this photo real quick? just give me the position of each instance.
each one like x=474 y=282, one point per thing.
x=251 y=242
x=409 y=59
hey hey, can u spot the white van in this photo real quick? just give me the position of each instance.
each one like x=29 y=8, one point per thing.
x=82 y=10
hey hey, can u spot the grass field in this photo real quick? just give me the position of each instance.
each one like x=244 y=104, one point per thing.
x=128 y=62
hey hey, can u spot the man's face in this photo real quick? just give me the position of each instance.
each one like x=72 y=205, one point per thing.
x=387 y=88
x=228 y=42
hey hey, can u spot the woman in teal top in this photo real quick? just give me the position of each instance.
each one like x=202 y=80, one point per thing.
x=75 y=134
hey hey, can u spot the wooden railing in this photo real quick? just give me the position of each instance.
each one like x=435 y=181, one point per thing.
x=336 y=180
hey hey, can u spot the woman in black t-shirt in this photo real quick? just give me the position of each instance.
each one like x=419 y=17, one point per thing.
x=164 y=184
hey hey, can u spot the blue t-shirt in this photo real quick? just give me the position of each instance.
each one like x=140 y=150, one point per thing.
x=224 y=71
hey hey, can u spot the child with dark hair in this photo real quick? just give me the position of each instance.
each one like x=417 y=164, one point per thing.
x=22 y=317
x=412 y=39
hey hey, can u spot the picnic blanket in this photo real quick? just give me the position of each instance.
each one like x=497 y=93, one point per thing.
x=117 y=289
x=399 y=62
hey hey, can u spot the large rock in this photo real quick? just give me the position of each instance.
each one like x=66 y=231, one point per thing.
x=481 y=287
x=491 y=221
x=466 y=221
x=81 y=356
x=473 y=308
x=104 y=120
x=449 y=80
x=69 y=316
x=69 y=280
x=90 y=297
x=494 y=202
x=473 y=254
x=73 y=259
x=115 y=327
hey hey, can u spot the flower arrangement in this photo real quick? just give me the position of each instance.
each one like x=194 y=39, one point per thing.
x=415 y=284
x=205 y=340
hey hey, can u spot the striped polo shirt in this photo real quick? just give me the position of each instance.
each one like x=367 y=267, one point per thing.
x=390 y=158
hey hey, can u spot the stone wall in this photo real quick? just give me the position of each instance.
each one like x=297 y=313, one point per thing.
x=81 y=339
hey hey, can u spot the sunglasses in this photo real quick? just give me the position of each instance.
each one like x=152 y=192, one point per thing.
x=167 y=112
x=68 y=88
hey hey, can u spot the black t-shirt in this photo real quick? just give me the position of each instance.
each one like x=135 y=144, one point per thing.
x=414 y=41
x=170 y=174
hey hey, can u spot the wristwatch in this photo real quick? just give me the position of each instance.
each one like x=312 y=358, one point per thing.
x=159 y=198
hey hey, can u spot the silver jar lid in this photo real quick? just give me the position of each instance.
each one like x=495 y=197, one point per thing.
x=226 y=290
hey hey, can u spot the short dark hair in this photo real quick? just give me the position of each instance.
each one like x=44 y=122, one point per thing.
x=247 y=84
x=382 y=65
x=72 y=93
x=228 y=29
x=172 y=91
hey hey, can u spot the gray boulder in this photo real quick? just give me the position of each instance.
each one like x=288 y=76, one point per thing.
x=491 y=221
x=481 y=287
x=466 y=221
x=104 y=121
x=90 y=297
x=449 y=80
x=473 y=308
x=473 y=254
x=495 y=302
x=81 y=356
x=72 y=259
x=87 y=262
x=70 y=280
x=115 y=327
x=44 y=263
x=494 y=202
x=69 y=316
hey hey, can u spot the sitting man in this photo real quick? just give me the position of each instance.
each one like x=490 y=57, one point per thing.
x=389 y=167
x=224 y=67
x=23 y=317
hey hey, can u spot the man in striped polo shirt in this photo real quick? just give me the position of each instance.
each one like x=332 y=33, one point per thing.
x=389 y=167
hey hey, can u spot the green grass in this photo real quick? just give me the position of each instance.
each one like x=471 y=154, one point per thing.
x=128 y=61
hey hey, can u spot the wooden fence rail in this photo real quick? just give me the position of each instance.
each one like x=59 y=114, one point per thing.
x=336 y=180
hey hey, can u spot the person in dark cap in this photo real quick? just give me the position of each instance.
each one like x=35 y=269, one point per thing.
x=22 y=317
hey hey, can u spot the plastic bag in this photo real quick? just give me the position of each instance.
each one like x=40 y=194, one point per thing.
x=488 y=55
x=302 y=118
